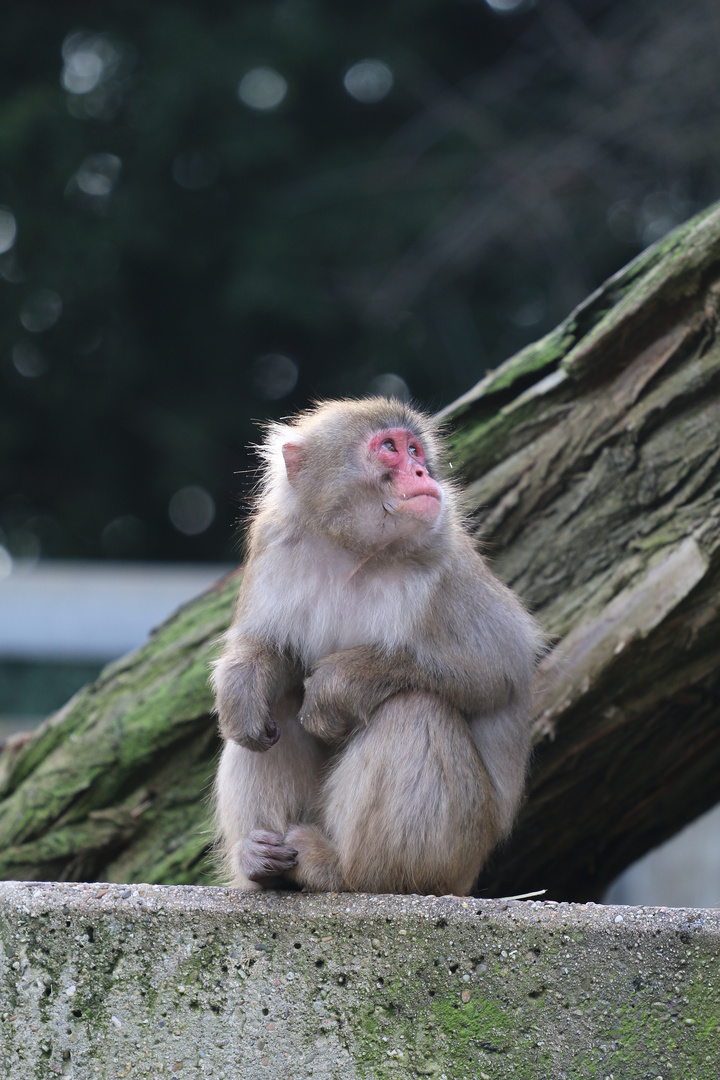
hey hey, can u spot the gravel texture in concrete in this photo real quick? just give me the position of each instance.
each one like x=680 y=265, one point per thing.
x=182 y=981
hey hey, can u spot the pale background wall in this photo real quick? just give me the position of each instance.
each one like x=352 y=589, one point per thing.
x=684 y=872
x=61 y=622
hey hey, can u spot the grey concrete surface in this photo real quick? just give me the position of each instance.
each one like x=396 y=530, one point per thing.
x=177 y=982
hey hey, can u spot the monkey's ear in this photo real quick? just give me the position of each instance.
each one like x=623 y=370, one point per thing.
x=294 y=458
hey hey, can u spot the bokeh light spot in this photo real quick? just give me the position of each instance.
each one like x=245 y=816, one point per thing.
x=124 y=537
x=98 y=174
x=89 y=58
x=622 y=220
x=10 y=269
x=368 y=81
x=24 y=545
x=8 y=229
x=390 y=385
x=28 y=360
x=659 y=216
x=41 y=311
x=262 y=88
x=507 y=7
x=274 y=376
x=192 y=510
x=82 y=72
x=530 y=312
x=94 y=74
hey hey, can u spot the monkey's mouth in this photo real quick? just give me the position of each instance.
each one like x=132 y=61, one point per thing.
x=419 y=504
x=433 y=496
x=423 y=505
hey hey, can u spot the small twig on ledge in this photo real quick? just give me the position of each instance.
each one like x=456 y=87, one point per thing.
x=522 y=896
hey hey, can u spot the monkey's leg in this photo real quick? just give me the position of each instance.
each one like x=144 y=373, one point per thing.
x=408 y=807
x=267 y=791
x=504 y=741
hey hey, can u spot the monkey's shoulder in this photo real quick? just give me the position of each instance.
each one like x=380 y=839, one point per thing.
x=470 y=603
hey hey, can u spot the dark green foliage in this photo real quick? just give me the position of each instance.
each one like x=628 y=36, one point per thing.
x=31 y=689
x=516 y=162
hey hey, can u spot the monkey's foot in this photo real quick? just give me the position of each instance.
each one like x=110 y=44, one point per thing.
x=265 y=855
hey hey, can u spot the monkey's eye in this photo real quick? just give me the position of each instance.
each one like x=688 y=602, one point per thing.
x=389 y=445
x=412 y=449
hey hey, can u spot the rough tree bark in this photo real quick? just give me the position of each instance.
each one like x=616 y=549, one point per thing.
x=592 y=465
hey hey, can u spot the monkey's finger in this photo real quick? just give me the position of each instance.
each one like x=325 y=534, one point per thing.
x=265 y=838
x=272 y=733
x=260 y=742
x=265 y=855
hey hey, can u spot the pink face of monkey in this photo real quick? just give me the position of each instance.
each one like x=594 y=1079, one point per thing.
x=379 y=492
x=399 y=455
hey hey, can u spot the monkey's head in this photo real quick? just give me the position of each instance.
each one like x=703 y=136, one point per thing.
x=364 y=473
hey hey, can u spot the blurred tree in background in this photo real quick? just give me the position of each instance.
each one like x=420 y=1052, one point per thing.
x=214 y=212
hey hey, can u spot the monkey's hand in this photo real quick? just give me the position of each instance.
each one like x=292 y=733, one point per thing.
x=328 y=722
x=334 y=701
x=347 y=686
x=266 y=856
x=245 y=683
x=250 y=726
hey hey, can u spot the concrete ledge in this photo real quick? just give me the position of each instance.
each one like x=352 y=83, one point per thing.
x=180 y=981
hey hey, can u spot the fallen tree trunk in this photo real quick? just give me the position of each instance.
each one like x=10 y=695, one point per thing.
x=592 y=465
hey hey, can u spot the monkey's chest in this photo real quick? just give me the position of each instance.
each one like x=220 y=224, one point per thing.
x=325 y=613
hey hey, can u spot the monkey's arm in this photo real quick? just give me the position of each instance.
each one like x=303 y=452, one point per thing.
x=476 y=649
x=346 y=687
x=248 y=679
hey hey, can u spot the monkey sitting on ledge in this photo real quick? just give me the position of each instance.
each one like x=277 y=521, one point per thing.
x=374 y=689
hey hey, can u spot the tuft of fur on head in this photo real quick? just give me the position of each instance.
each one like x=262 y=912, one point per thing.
x=272 y=465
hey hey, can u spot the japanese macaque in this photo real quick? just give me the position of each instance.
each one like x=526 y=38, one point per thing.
x=374 y=689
